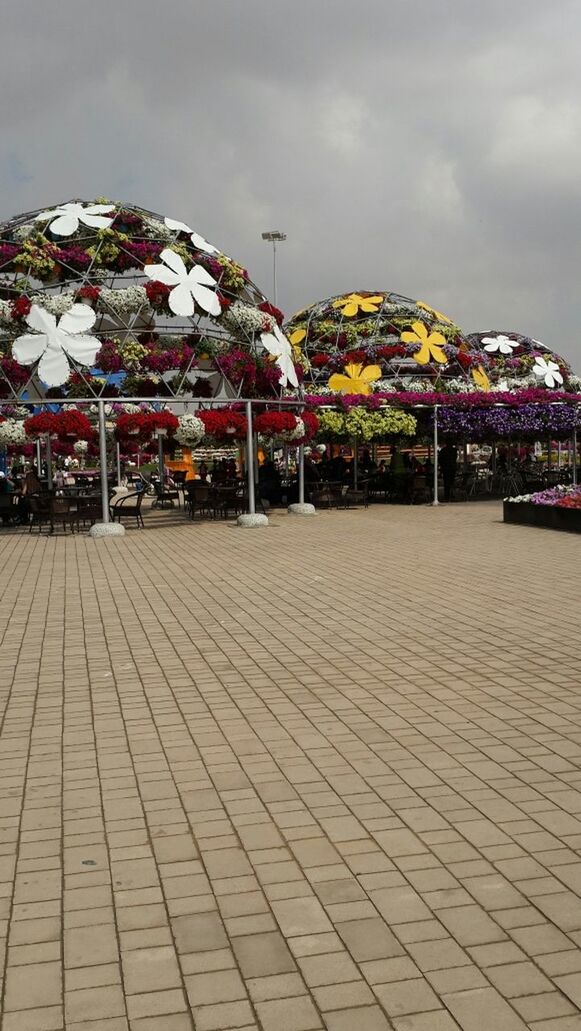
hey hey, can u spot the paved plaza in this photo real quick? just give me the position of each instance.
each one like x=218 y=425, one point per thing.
x=321 y=775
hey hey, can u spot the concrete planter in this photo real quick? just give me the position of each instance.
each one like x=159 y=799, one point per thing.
x=550 y=516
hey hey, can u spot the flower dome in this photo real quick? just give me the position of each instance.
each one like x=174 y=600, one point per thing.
x=514 y=361
x=106 y=299
x=364 y=342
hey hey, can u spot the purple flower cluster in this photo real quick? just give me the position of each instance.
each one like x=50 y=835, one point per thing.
x=528 y=421
x=554 y=495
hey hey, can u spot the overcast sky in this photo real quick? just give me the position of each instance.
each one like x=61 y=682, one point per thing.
x=431 y=147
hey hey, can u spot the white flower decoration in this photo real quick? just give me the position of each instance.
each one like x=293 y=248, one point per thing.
x=187 y=286
x=280 y=348
x=190 y=430
x=197 y=240
x=65 y=219
x=547 y=370
x=52 y=342
x=501 y=343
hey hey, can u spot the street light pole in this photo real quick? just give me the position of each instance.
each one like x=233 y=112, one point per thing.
x=274 y=236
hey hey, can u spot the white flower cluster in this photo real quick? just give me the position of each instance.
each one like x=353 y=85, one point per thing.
x=122 y=302
x=81 y=447
x=512 y=383
x=154 y=229
x=249 y=320
x=12 y=432
x=56 y=304
x=190 y=430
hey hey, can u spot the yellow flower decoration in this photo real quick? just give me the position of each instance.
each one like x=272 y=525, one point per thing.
x=480 y=378
x=353 y=303
x=297 y=336
x=295 y=339
x=438 y=315
x=431 y=344
x=356 y=379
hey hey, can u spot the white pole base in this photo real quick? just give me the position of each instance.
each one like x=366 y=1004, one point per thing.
x=249 y=521
x=302 y=508
x=107 y=530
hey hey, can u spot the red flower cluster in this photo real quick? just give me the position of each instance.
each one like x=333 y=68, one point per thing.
x=389 y=351
x=142 y=426
x=157 y=293
x=275 y=424
x=311 y=422
x=163 y=421
x=20 y=307
x=135 y=426
x=73 y=423
x=90 y=293
x=319 y=360
x=275 y=313
x=63 y=425
x=356 y=356
x=224 y=424
x=44 y=422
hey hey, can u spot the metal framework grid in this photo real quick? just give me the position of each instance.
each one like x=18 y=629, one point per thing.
x=126 y=316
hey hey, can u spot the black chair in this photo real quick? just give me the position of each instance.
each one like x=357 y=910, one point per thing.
x=128 y=505
x=40 y=511
x=199 y=499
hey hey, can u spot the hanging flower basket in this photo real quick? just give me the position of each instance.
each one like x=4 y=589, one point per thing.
x=42 y=424
x=12 y=432
x=224 y=424
x=276 y=425
x=190 y=431
x=73 y=425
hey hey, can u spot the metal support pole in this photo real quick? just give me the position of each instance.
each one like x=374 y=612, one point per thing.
x=574 y=457
x=301 y=474
x=435 y=501
x=48 y=461
x=274 y=272
x=118 y=455
x=103 y=458
x=160 y=465
x=355 y=463
x=38 y=458
x=250 y=459
x=255 y=457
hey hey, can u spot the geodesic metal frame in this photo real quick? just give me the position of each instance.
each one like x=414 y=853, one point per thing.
x=368 y=328
x=512 y=360
x=102 y=256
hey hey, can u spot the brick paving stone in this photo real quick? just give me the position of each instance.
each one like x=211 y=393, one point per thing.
x=225 y=810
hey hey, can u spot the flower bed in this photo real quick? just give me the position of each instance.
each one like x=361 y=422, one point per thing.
x=558 y=508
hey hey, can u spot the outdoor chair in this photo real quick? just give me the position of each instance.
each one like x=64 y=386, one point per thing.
x=128 y=505
x=166 y=494
x=199 y=500
x=353 y=496
x=40 y=511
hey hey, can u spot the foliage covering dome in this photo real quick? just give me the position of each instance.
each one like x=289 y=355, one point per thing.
x=103 y=298
x=376 y=341
x=514 y=361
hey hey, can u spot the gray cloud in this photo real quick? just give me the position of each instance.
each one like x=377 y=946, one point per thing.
x=431 y=147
